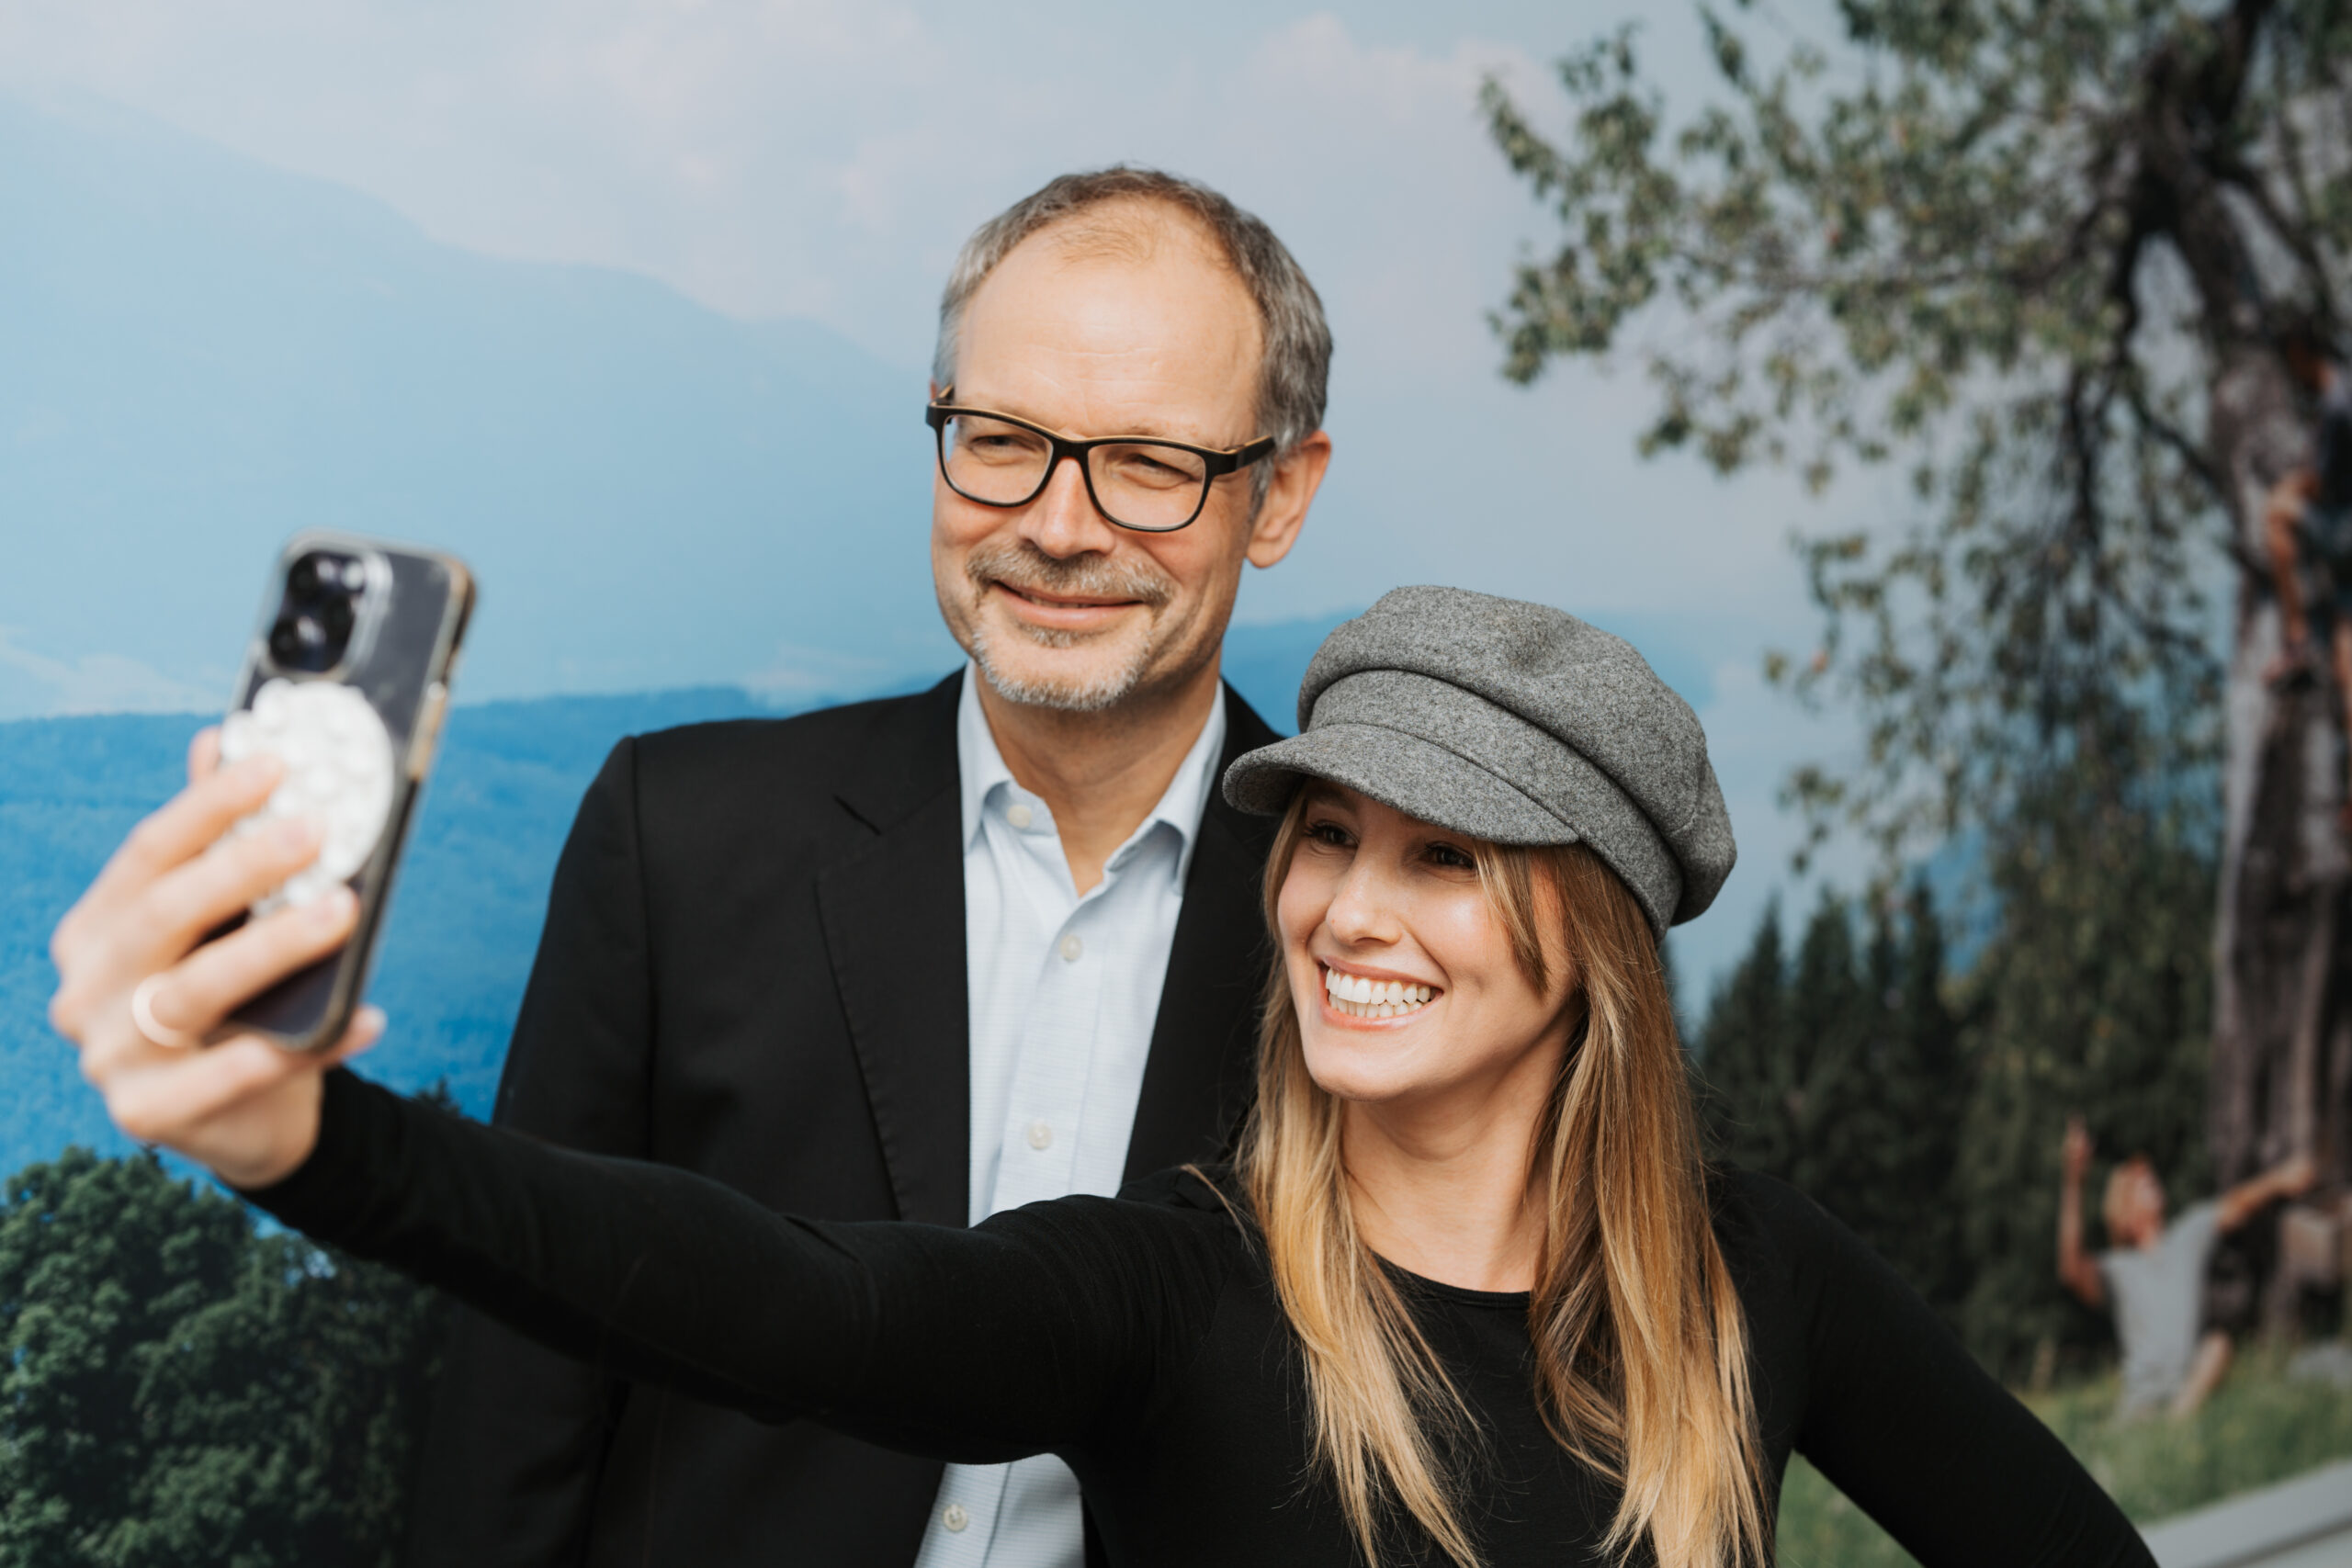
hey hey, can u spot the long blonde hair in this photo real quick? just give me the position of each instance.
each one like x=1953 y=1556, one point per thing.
x=1641 y=1348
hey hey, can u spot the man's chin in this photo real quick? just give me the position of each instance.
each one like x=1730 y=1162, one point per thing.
x=1087 y=675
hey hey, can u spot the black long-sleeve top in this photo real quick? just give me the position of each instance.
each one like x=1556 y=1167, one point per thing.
x=1140 y=1339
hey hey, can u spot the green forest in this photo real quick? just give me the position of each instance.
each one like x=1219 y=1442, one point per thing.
x=179 y=1386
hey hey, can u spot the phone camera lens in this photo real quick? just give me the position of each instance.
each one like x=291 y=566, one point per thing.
x=318 y=613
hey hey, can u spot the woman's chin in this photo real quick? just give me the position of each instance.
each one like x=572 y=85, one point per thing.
x=1359 y=1065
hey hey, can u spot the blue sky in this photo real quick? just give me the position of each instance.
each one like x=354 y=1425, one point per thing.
x=820 y=160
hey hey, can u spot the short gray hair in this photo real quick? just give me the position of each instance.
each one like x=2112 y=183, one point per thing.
x=1296 y=359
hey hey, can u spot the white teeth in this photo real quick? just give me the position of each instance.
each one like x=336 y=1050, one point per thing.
x=1358 y=997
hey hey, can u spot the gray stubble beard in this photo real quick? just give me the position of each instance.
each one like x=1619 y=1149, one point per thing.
x=1027 y=567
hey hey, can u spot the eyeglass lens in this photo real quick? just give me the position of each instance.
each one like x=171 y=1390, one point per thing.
x=1138 y=484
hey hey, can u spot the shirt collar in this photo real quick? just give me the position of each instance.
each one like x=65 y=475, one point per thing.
x=981 y=770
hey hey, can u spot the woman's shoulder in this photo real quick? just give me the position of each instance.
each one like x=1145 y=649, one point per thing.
x=1750 y=1201
x=1763 y=1223
x=1206 y=1187
x=1776 y=1238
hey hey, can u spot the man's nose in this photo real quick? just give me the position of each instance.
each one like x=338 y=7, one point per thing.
x=1063 y=520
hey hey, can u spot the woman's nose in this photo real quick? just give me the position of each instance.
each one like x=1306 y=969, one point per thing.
x=1362 y=909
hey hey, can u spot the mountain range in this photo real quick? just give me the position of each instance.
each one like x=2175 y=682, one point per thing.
x=201 y=354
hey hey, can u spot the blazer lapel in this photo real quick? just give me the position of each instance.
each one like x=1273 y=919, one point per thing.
x=893 y=916
x=1198 y=1078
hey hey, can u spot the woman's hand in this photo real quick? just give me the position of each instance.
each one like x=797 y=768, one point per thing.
x=240 y=1106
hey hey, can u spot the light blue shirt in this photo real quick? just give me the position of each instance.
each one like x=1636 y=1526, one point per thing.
x=1064 y=990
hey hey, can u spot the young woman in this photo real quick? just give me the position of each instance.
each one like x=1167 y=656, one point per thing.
x=1467 y=1292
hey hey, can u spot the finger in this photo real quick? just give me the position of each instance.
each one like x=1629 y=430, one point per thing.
x=366 y=1027
x=205 y=987
x=189 y=900
x=176 y=1103
x=185 y=826
x=186 y=1101
x=204 y=753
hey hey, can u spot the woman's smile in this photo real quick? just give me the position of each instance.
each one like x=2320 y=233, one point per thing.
x=1357 y=995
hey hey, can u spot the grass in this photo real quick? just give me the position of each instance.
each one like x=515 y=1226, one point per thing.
x=2257 y=1428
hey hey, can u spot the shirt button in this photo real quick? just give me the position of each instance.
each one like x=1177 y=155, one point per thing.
x=1071 y=948
x=1018 y=814
x=954 y=1516
x=1040 y=1136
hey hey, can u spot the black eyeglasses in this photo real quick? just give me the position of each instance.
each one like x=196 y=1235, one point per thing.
x=1139 y=482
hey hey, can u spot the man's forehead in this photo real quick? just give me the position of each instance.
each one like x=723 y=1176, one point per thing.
x=1123 y=317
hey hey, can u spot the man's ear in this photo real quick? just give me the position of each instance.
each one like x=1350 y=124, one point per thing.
x=1289 y=493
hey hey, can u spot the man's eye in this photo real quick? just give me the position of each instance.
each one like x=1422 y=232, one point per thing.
x=1152 y=468
x=999 y=446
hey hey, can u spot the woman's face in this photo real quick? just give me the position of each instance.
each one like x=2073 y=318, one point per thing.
x=1399 y=968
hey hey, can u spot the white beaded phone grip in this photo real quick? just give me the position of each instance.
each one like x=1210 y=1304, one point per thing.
x=338 y=762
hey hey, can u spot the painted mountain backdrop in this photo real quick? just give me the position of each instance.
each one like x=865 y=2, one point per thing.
x=201 y=354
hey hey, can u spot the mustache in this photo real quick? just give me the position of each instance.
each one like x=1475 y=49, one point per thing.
x=1024 y=568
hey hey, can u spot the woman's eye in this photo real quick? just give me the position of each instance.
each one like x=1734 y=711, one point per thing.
x=1452 y=857
x=1327 y=833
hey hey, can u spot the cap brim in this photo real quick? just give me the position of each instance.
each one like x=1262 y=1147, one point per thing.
x=1416 y=777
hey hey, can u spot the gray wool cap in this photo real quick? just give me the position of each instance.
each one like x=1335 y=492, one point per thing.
x=1515 y=723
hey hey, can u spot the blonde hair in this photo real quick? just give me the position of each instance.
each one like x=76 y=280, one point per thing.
x=1641 y=1348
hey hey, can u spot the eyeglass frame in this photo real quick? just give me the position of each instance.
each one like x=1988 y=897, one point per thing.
x=1216 y=462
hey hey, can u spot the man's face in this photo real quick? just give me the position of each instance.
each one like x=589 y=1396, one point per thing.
x=2139 y=1219
x=1060 y=607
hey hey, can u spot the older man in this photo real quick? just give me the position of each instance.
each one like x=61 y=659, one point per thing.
x=936 y=956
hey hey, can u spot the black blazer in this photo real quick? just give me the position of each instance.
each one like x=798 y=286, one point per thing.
x=754 y=967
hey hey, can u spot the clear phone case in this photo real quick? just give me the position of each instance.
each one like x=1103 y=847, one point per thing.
x=347 y=678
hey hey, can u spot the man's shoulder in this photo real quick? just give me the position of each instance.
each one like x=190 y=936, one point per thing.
x=817 y=752
x=2199 y=1222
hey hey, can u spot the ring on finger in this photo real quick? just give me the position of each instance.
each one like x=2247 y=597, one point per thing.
x=142 y=1015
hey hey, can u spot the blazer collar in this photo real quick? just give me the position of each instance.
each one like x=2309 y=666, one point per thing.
x=900 y=893
x=904 y=763
x=1201 y=1074
x=891 y=902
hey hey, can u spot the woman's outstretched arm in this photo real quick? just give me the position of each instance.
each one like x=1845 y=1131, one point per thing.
x=1903 y=1421
x=1030 y=1333
x=1033 y=1333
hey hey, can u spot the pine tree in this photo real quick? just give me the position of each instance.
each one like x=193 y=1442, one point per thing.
x=1838 y=1073
x=2092 y=996
x=1739 y=1046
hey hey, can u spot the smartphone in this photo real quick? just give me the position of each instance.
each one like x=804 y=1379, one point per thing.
x=347 y=679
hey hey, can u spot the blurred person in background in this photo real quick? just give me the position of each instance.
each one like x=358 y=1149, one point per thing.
x=2153 y=1275
x=940 y=955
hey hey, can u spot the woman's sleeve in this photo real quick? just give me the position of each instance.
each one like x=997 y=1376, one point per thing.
x=1901 y=1418
x=1034 y=1333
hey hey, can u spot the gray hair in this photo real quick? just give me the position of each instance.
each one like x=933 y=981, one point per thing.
x=1296 y=359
